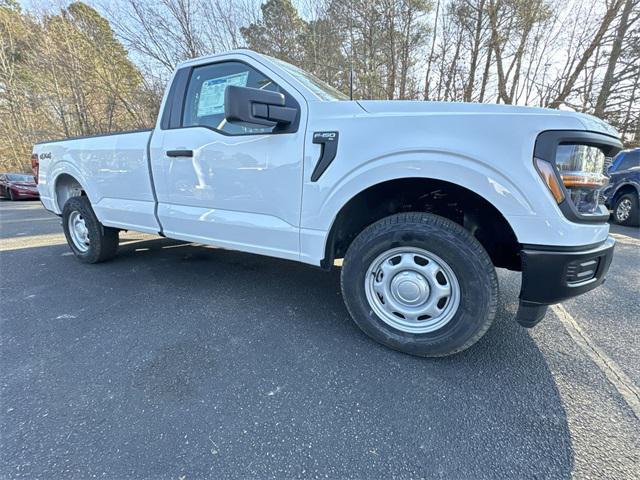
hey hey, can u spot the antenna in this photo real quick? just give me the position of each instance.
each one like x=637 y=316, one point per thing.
x=351 y=82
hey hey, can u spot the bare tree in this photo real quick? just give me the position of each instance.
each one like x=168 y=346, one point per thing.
x=570 y=81
x=614 y=56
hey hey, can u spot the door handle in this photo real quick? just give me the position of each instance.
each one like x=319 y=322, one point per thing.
x=179 y=153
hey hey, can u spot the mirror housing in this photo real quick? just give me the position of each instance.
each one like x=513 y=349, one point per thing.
x=257 y=107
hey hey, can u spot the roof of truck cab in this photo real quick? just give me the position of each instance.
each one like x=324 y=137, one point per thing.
x=206 y=58
x=262 y=59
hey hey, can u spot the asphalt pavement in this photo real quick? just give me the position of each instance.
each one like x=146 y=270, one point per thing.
x=183 y=362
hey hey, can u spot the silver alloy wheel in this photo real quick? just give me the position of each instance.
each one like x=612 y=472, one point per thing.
x=78 y=231
x=623 y=210
x=412 y=290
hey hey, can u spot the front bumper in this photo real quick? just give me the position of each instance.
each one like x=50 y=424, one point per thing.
x=552 y=275
x=17 y=193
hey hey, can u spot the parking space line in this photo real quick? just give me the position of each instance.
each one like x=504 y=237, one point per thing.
x=32 y=241
x=623 y=384
x=50 y=239
x=35 y=219
x=18 y=208
x=625 y=240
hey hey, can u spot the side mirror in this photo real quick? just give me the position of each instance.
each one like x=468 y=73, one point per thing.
x=257 y=107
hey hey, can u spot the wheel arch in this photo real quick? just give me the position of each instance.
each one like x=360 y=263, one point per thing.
x=441 y=197
x=65 y=187
x=624 y=188
x=62 y=181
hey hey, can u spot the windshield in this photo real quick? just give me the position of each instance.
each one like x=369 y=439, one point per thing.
x=317 y=86
x=20 y=178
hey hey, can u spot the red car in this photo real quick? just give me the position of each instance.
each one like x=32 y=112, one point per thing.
x=16 y=186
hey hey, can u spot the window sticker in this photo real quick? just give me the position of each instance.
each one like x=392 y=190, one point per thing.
x=211 y=98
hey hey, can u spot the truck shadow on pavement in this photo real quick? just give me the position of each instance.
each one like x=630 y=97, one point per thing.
x=176 y=359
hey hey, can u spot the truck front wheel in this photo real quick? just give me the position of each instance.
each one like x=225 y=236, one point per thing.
x=90 y=241
x=420 y=284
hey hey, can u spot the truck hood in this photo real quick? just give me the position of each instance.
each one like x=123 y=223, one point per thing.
x=396 y=107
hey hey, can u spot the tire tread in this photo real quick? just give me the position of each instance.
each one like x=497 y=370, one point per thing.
x=104 y=240
x=450 y=228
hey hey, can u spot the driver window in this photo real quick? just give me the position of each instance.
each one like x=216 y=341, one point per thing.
x=204 y=102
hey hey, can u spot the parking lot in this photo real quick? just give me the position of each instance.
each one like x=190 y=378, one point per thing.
x=180 y=361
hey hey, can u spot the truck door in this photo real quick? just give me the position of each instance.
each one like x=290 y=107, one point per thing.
x=236 y=186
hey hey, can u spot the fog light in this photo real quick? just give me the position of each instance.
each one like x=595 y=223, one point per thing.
x=580 y=271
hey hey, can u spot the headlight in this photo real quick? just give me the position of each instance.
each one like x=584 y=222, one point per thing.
x=581 y=172
x=581 y=168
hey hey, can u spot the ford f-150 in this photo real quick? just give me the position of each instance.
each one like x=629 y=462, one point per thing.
x=419 y=200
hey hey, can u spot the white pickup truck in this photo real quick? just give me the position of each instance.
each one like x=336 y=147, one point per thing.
x=421 y=200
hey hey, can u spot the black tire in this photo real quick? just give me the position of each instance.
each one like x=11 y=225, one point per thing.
x=103 y=241
x=465 y=256
x=633 y=218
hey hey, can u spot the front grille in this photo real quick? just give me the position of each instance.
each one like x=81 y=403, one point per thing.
x=580 y=271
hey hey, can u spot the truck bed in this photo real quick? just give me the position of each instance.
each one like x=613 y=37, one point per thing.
x=114 y=172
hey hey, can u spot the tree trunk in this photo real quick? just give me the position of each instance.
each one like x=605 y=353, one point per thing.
x=609 y=16
x=430 y=59
x=475 y=51
x=616 y=50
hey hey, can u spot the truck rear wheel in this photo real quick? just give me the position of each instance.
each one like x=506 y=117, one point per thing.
x=420 y=284
x=90 y=241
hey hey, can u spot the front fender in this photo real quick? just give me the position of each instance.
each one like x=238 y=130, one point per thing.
x=321 y=207
x=626 y=183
